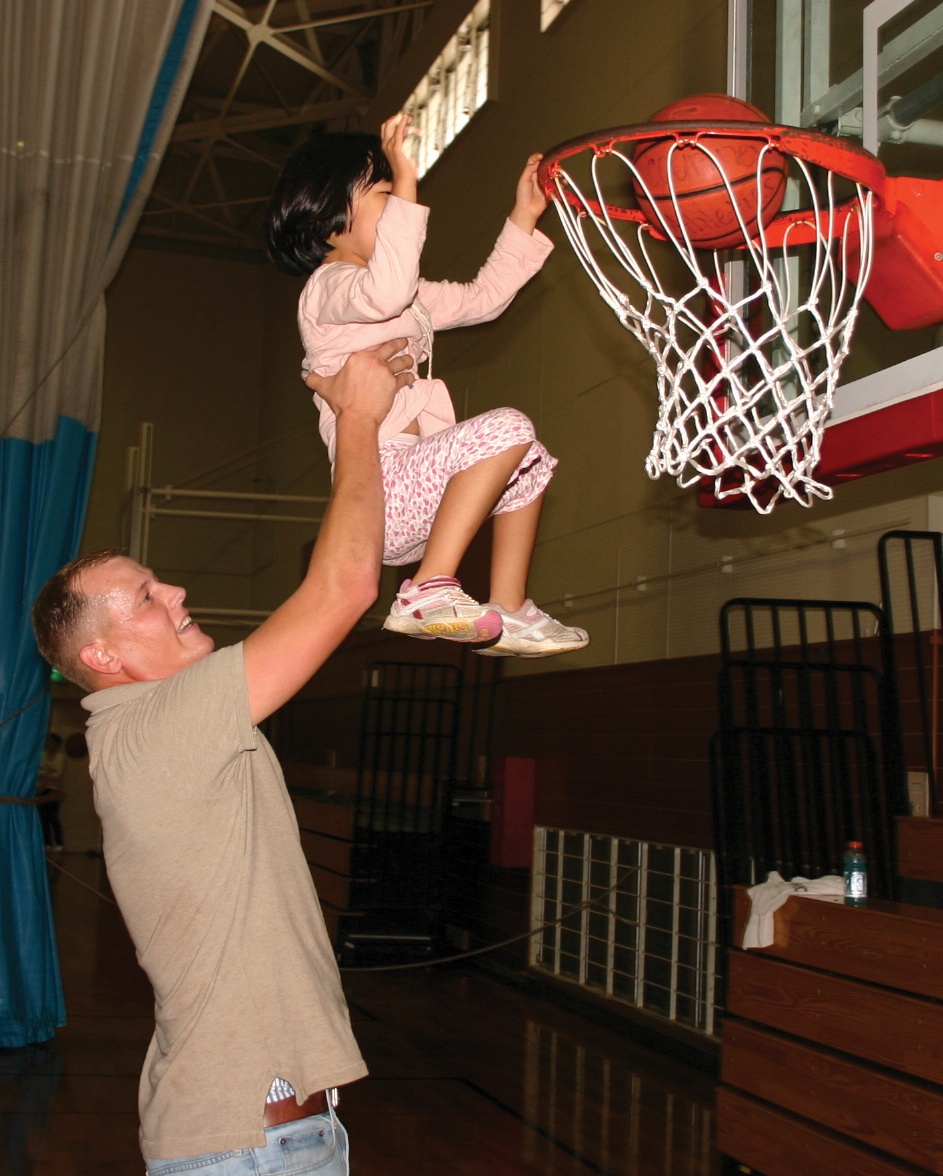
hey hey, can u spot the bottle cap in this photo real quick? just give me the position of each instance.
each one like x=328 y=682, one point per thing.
x=856 y=845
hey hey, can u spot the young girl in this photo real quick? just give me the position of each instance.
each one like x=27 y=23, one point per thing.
x=344 y=211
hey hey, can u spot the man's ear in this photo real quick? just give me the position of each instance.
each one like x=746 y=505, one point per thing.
x=98 y=659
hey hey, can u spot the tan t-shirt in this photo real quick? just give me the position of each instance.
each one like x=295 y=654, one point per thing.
x=203 y=855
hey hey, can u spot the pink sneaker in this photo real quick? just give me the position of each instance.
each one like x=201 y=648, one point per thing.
x=439 y=608
x=530 y=632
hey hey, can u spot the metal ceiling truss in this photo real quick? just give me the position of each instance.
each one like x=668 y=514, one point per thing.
x=267 y=72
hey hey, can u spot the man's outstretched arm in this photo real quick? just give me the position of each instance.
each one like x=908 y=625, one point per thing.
x=343 y=576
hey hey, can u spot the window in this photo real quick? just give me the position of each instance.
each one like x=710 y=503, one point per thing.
x=453 y=89
x=549 y=11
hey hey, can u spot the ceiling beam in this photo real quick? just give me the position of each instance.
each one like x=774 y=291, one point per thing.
x=218 y=128
x=323 y=22
x=261 y=34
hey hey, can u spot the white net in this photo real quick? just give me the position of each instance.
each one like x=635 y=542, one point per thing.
x=748 y=351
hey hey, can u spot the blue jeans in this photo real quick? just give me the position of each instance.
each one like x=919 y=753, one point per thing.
x=317 y=1145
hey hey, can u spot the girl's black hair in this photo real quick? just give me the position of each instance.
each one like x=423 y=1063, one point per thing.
x=314 y=196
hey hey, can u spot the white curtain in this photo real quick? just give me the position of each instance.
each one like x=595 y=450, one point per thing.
x=89 y=93
x=79 y=80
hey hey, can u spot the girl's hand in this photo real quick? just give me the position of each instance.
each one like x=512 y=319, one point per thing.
x=530 y=202
x=393 y=140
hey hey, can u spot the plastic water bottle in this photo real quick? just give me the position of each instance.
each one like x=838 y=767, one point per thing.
x=856 y=874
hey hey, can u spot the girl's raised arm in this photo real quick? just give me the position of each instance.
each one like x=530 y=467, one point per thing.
x=518 y=254
x=393 y=140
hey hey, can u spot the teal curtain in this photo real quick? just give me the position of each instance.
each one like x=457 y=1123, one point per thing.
x=43 y=490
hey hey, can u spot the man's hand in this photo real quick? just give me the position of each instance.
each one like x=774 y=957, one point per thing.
x=530 y=203
x=367 y=382
x=344 y=572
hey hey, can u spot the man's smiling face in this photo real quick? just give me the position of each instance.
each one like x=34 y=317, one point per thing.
x=143 y=631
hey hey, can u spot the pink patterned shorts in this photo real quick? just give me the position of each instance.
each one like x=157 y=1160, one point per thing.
x=417 y=470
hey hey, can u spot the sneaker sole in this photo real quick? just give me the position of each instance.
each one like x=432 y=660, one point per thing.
x=456 y=629
x=531 y=649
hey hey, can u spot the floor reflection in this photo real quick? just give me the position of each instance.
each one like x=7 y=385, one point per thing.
x=469 y=1075
x=619 y=1119
x=29 y=1080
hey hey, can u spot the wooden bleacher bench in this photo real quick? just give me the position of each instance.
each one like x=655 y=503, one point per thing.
x=832 y=1056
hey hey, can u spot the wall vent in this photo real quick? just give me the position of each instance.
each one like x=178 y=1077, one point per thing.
x=650 y=940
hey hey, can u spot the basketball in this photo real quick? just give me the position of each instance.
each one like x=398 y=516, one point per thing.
x=702 y=199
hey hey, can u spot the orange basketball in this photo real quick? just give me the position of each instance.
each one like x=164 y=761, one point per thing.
x=704 y=201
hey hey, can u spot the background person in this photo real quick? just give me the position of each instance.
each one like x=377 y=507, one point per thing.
x=49 y=791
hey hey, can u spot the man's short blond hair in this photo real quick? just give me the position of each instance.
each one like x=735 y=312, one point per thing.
x=61 y=615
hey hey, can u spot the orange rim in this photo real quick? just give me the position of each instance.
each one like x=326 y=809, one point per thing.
x=843 y=158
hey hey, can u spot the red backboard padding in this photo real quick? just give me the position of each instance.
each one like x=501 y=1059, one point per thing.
x=906 y=283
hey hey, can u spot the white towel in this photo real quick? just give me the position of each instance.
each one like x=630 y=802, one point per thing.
x=770 y=895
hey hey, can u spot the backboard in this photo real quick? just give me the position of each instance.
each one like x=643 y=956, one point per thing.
x=871 y=71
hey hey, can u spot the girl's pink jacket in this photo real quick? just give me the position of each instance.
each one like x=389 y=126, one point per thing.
x=345 y=308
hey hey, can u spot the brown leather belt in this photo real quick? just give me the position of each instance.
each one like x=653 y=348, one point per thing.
x=287 y=1110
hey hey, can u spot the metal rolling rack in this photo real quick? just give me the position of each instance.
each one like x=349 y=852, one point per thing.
x=409 y=734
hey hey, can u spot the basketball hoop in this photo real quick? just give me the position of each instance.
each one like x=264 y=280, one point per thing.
x=746 y=365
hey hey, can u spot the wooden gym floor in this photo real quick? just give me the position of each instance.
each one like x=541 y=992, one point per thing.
x=468 y=1075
